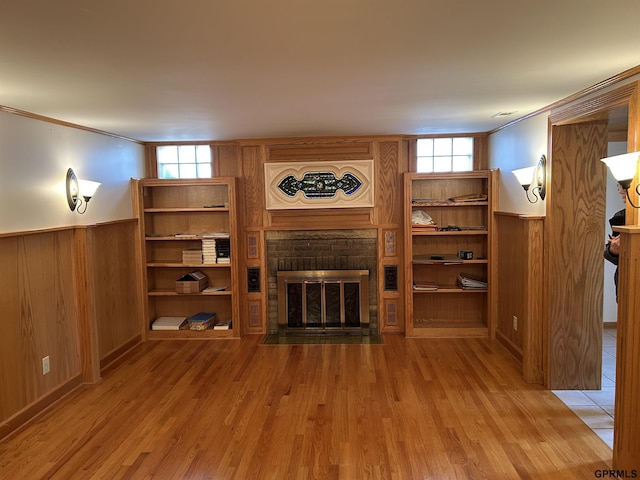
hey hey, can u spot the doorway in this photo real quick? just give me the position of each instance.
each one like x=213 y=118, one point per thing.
x=574 y=239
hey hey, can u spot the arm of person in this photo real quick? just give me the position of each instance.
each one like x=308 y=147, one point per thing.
x=612 y=250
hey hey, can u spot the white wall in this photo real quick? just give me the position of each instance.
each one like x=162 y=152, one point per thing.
x=518 y=146
x=34 y=158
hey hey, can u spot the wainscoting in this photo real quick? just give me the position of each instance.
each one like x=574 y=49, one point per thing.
x=67 y=294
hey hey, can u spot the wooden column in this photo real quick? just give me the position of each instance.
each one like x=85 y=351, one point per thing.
x=87 y=328
x=626 y=446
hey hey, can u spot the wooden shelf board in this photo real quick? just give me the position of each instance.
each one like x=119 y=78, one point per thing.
x=189 y=265
x=450 y=204
x=450 y=332
x=417 y=231
x=188 y=334
x=186 y=209
x=171 y=293
x=448 y=289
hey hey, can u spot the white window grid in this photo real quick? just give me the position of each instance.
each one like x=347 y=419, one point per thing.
x=184 y=161
x=444 y=154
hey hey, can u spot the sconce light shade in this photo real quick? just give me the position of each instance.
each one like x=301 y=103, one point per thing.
x=525 y=176
x=88 y=188
x=538 y=174
x=623 y=167
x=79 y=192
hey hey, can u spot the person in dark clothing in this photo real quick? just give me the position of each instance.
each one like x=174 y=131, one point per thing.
x=612 y=248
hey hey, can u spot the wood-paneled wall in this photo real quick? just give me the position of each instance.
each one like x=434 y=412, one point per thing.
x=390 y=163
x=626 y=445
x=574 y=268
x=520 y=242
x=68 y=294
x=115 y=301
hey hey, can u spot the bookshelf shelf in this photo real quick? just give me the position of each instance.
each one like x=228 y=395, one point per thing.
x=179 y=219
x=171 y=293
x=440 y=306
x=189 y=265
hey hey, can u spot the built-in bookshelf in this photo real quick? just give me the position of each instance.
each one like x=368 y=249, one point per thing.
x=448 y=248
x=188 y=226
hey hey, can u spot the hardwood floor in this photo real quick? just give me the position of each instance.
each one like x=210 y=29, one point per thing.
x=408 y=409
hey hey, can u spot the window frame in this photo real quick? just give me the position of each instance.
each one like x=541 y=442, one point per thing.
x=152 y=158
x=475 y=150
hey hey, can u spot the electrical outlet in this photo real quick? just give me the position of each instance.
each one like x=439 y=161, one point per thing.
x=46 y=367
x=515 y=323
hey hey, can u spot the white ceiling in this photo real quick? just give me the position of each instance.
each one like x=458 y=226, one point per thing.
x=162 y=70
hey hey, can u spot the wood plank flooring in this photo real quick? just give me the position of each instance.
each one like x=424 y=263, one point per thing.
x=408 y=409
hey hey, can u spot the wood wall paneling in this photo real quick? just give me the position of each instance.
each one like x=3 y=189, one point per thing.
x=85 y=311
x=626 y=447
x=252 y=186
x=574 y=266
x=226 y=160
x=69 y=294
x=520 y=290
x=37 y=297
x=115 y=299
x=320 y=149
x=388 y=184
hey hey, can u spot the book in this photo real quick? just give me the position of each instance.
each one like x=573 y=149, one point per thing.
x=444 y=259
x=422 y=285
x=201 y=317
x=169 y=323
x=215 y=289
x=201 y=321
x=468 y=281
x=472 y=197
x=201 y=326
x=223 y=325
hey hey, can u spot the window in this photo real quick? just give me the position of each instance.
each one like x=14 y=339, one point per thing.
x=184 y=161
x=436 y=155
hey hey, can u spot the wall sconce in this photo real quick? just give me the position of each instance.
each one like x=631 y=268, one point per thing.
x=623 y=168
x=526 y=176
x=79 y=192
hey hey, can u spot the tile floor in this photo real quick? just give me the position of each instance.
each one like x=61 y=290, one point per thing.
x=595 y=407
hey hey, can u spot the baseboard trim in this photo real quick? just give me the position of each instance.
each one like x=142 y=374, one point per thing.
x=510 y=346
x=115 y=354
x=28 y=414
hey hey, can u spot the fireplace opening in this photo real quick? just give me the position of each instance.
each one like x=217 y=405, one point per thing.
x=323 y=301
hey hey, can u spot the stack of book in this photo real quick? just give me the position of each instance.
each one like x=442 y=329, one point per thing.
x=201 y=320
x=471 y=282
x=223 y=250
x=208 y=250
x=192 y=256
x=216 y=246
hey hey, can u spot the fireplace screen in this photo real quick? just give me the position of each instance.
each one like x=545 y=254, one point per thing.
x=323 y=299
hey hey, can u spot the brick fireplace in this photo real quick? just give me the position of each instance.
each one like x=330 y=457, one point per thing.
x=322 y=250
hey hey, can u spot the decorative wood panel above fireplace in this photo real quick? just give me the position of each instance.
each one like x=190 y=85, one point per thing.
x=326 y=184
